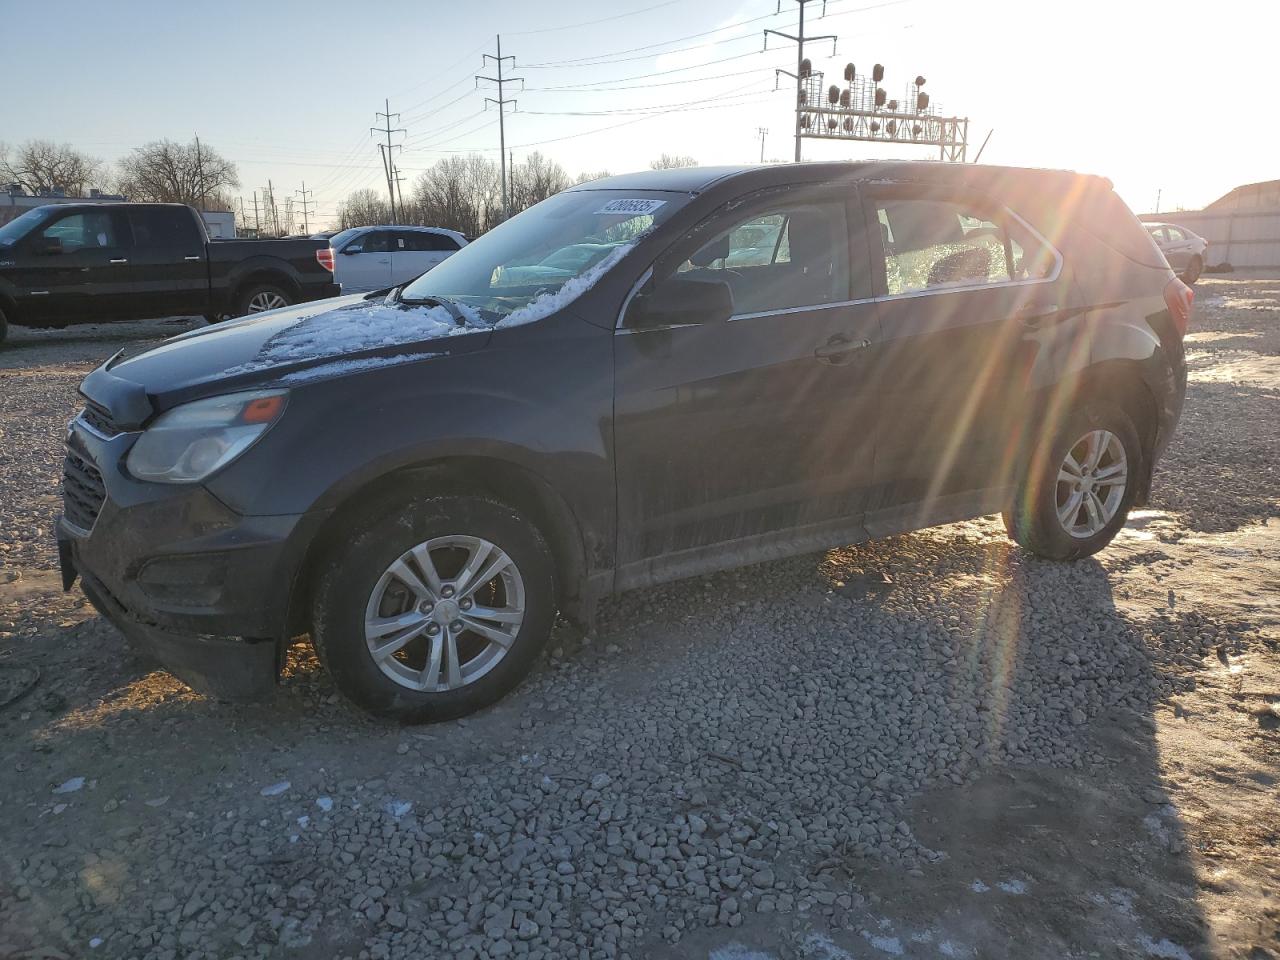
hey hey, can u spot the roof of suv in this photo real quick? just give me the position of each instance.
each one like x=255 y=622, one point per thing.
x=699 y=179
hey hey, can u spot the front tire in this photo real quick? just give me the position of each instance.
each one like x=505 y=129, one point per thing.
x=1079 y=486
x=437 y=608
x=261 y=297
x=1193 y=271
x=4 y=328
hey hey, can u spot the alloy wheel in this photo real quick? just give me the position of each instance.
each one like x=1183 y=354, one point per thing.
x=266 y=300
x=1091 y=483
x=445 y=613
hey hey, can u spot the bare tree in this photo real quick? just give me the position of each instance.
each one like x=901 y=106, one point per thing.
x=40 y=165
x=164 y=171
x=588 y=177
x=535 y=180
x=363 y=208
x=669 y=161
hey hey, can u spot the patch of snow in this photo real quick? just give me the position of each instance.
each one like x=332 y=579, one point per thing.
x=275 y=789
x=949 y=949
x=397 y=808
x=820 y=947
x=303 y=820
x=978 y=887
x=71 y=786
x=157 y=801
x=324 y=803
x=338 y=367
x=352 y=328
x=1165 y=949
x=59 y=808
x=889 y=945
x=95 y=943
x=1015 y=887
x=548 y=303
x=736 y=951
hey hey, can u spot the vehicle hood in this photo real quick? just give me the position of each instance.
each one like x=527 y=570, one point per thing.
x=293 y=345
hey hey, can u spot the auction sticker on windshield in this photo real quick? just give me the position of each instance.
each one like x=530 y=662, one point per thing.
x=631 y=206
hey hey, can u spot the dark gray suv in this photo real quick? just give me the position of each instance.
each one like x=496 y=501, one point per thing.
x=734 y=364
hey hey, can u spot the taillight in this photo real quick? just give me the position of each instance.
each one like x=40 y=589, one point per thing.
x=1178 y=297
x=324 y=256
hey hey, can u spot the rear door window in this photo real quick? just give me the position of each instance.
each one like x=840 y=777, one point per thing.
x=163 y=229
x=423 y=242
x=933 y=243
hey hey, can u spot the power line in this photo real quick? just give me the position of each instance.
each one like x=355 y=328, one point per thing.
x=588 y=23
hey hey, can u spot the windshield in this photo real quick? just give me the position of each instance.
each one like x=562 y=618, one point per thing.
x=537 y=255
x=16 y=229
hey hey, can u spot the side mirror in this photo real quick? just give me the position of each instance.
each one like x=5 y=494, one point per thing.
x=679 y=300
x=48 y=246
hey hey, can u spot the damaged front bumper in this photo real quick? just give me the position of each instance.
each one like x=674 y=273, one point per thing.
x=204 y=591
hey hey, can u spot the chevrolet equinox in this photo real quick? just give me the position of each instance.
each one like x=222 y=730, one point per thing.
x=646 y=377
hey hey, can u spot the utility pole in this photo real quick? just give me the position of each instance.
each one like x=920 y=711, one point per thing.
x=397 y=179
x=385 y=150
x=306 y=227
x=257 y=221
x=502 y=130
x=200 y=170
x=511 y=174
x=275 y=211
x=1158 y=192
x=763 y=131
x=801 y=74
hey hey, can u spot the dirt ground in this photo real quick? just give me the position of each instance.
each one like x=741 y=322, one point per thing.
x=138 y=819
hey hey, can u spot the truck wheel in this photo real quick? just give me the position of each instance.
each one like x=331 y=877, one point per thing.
x=4 y=327
x=1080 y=485
x=435 y=609
x=260 y=297
x=1193 y=271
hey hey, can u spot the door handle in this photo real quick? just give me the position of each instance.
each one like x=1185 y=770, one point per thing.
x=189 y=259
x=119 y=260
x=839 y=349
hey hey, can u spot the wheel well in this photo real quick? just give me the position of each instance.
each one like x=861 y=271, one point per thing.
x=522 y=490
x=1122 y=383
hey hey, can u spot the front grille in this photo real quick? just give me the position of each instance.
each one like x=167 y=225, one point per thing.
x=82 y=491
x=99 y=418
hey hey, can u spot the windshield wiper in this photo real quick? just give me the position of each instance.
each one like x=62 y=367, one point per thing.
x=458 y=316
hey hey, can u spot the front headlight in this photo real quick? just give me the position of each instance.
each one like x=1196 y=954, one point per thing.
x=189 y=442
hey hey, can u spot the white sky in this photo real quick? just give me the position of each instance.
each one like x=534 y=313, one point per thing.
x=1173 y=96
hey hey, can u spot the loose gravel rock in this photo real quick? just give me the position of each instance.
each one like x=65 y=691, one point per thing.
x=738 y=749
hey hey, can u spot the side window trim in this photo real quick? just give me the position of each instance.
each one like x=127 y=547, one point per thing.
x=878 y=253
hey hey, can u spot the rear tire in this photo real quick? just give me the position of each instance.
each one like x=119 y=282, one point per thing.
x=1193 y=271
x=456 y=645
x=1065 y=512
x=261 y=297
x=4 y=328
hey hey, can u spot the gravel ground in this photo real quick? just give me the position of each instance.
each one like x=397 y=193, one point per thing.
x=991 y=756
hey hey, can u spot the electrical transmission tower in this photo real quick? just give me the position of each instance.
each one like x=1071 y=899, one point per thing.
x=385 y=150
x=802 y=70
x=762 y=132
x=502 y=103
x=305 y=203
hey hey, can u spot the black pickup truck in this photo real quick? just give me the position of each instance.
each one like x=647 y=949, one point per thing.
x=89 y=262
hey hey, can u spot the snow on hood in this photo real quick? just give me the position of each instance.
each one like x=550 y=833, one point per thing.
x=367 y=325
x=546 y=304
